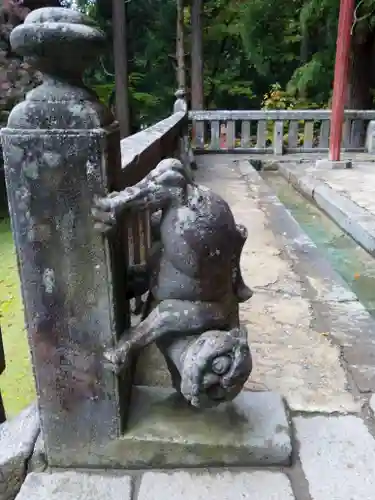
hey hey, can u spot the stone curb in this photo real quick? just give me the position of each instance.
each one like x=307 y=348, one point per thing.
x=337 y=310
x=353 y=219
x=17 y=440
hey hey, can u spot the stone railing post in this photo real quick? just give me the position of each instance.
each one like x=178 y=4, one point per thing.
x=58 y=145
x=186 y=151
x=370 y=137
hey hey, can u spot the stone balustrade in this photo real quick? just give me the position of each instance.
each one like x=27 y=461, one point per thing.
x=276 y=131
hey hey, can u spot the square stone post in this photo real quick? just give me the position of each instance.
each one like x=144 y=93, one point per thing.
x=186 y=153
x=370 y=137
x=62 y=148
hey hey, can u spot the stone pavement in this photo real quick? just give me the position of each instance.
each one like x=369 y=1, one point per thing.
x=310 y=338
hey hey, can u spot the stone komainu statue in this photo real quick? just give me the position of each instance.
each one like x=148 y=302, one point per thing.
x=194 y=281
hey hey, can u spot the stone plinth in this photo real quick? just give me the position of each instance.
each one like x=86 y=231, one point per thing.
x=164 y=431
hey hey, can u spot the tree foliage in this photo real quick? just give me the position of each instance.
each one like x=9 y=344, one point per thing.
x=252 y=50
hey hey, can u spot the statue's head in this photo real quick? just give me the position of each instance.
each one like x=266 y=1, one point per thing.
x=164 y=184
x=216 y=367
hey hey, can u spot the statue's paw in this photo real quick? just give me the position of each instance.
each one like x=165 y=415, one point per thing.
x=104 y=221
x=104 y=212
x=116 y=359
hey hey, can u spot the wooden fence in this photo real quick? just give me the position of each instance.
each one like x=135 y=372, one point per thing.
x=275 y=131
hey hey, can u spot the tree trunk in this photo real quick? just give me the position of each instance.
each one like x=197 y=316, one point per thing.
x=361 y=82
x=180 y=46
x=119 y=24
x=197 y=96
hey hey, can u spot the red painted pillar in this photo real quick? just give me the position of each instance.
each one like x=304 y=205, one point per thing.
x=340 y=83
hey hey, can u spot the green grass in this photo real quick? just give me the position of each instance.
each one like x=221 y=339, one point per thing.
x=17 y=382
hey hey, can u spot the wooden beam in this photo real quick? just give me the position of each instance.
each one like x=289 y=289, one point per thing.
x=121 y=66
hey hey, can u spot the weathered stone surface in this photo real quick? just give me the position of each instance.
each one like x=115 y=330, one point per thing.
x=75 y=486
x=38 y=460
x=17 y=440
x=372 y=403
x=164 y=431
x=337 y=456
x=219 y=486
x=292 y=355
x=342 y=164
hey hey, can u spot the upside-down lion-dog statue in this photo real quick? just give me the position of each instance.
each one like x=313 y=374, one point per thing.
x=193 y=276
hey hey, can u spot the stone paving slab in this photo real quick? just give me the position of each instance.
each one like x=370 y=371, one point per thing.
x=338 y=457
x=257 y=485
x=73 y=485
x=292 y=355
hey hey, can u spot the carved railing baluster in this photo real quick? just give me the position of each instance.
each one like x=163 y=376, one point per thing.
x=308 y=135
x=261 y=134
x=278 y=137
x=231 y=134
x=324 y=134
x=346 y=134
x=199 y=136
x=245 y=134
x=215 y=135
x=293 y=134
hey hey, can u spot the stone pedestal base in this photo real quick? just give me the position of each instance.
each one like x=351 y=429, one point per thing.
x=165 y=432
x=342 y=164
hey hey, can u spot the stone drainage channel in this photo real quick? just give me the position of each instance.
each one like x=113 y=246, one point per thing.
x=350 y=260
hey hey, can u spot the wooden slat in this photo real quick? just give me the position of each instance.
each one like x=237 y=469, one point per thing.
x=261 y=134
x=215 y=135
x=324 y=134
x=293 y=134
x=147 y=230
x=278 y=133
x=231 y=136
x=308 y=134
x=245 y=134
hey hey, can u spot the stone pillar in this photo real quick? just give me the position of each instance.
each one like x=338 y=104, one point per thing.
x=58 y=146
x=186 y=152
x=370 y=137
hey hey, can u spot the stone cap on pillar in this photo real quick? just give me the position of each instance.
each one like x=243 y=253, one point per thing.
x=180 y=103
x=62 y=44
